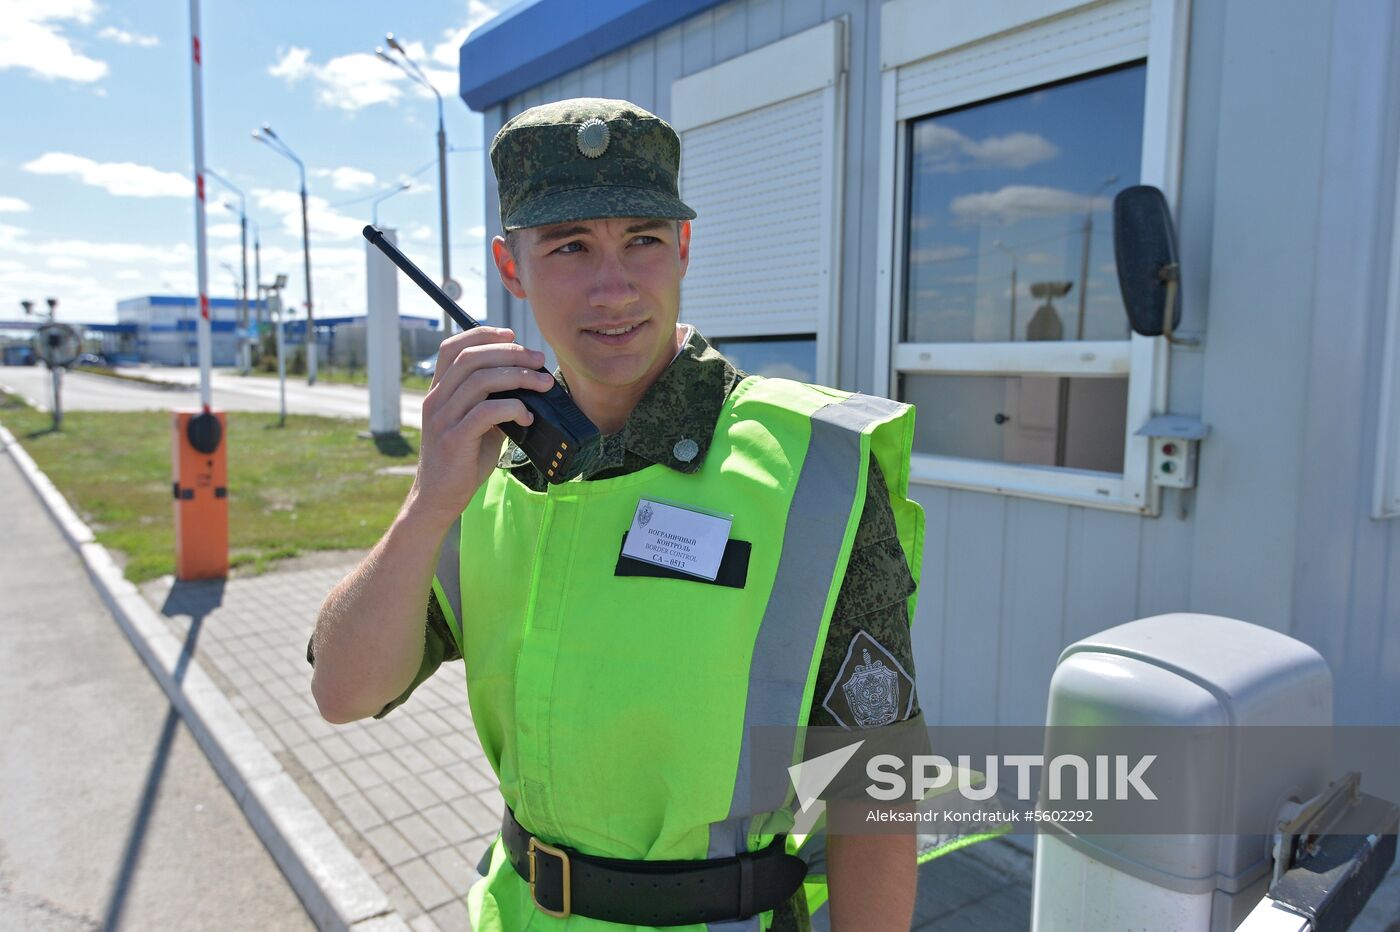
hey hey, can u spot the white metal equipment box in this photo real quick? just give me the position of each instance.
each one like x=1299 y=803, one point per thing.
x=1187 y=670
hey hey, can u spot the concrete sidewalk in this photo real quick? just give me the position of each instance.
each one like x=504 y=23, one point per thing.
x=111 y=816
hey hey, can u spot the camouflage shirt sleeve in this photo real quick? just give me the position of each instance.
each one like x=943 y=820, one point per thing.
x=871 y=617
x=439 y=647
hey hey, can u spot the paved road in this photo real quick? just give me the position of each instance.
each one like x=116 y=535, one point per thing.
x=86 y=392
x=111 y=817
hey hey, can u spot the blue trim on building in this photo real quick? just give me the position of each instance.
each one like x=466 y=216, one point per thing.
x=535 y=41
x=167 y=300
x=189 y=326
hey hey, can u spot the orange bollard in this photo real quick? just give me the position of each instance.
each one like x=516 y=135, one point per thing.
x=199 y=455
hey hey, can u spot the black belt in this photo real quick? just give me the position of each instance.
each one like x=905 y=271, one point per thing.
x=651 y=893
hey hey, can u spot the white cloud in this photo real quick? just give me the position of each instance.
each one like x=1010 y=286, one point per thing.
x=944 y=149
x=122 y=178
x=122 y=37
x=936 y=253
x=346 y=178
x=349 y=82
x=478 y=12
x=12 y=205
x=178 y=254
x=325 y=222
x=360 y=79
x=420 y=232
x=293 y=65
x=1014 y=150
x=31 y=37
x=448 y=83
x=1016 y=202
x=90 y=276
x=223 y=231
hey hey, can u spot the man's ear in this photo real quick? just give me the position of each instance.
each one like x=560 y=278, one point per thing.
x=507 y=267
x=684 y=240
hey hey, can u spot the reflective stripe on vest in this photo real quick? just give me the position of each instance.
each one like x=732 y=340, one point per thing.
x=832 y=481
x=447 y=578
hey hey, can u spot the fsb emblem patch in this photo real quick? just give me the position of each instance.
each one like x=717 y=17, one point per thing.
x=871 y=688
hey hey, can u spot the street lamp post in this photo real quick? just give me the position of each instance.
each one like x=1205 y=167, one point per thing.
x=257 y=280
x=244 y=353
x=409 y=67
x=374 y=205
x=274 y=142
x=274 y=307
x=1088 y=231
x=232 y=274
x=1003 y=247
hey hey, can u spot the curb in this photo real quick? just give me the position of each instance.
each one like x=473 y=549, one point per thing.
x=338 y=893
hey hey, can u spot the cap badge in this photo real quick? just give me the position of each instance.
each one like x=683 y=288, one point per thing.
x=685 y=449
x=593 y=138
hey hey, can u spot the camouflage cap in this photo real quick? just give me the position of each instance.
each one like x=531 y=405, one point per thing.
x=586 y=159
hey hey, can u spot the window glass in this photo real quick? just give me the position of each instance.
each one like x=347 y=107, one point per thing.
x=1029 y=420
x=1010 y=213
x=788 y=357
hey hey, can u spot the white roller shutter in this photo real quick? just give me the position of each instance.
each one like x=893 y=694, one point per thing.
x=1093 y=37
x=760 y=163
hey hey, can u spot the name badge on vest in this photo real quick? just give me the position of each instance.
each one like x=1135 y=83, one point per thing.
x=680 y=539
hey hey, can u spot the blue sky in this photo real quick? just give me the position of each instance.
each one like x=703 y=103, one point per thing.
x=96 y=202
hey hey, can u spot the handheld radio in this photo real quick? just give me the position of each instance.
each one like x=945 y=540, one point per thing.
x=561 y=438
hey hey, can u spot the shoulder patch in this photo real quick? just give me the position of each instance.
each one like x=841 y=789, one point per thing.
x=871 y=688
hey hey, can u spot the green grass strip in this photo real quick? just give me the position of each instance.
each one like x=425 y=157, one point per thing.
x=316 y=484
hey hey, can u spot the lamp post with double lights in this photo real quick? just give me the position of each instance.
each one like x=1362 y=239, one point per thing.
x=274 y=142
x=244 y=352
x=409 y=67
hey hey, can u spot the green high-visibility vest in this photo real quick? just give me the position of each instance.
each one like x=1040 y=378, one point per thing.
x=617 y=710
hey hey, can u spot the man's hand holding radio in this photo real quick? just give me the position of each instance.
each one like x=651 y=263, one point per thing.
x=461 y=442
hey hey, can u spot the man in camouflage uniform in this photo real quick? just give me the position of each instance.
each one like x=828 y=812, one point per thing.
x=663 y=410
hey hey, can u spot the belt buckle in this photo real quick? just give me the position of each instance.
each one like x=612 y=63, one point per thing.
x=563 y=856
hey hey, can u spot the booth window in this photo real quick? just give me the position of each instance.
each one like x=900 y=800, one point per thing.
x=779 y=357
x=1009 y=240
x=1004 y=136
